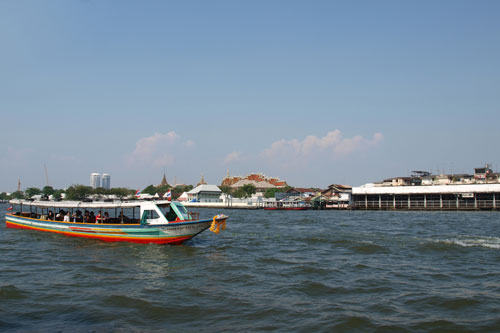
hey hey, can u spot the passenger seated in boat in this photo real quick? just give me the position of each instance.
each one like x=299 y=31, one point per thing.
x=79 y=217
x=171 y=215
x=60 y=215
x=86 y=217
x=105 y=218
x=92 y=218
x=67 y=217
x=50 y=216
x=123 y=218
x=99 y=217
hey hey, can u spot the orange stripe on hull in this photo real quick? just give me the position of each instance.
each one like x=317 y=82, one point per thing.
x=141 y=240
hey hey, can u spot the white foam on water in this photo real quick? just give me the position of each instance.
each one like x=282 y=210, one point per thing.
x=469 y=241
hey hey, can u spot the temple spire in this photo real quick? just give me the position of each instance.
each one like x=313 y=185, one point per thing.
x=202 y=181
x=164 y=180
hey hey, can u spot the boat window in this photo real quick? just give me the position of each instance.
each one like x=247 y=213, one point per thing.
x=152 y=214
x=180 y=210
x=176 y=211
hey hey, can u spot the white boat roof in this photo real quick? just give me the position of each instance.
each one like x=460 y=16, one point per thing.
x=96 y=204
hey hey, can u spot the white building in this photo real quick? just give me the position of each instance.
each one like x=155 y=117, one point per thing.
x=205 y=193
x=95 y=180
x=106 y=181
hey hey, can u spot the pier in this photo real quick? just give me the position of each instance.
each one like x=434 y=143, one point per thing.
x=442 y=197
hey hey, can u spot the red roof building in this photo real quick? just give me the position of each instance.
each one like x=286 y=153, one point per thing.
x=259 y=180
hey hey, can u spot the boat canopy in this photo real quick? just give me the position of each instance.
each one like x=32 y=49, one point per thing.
x=89 y=205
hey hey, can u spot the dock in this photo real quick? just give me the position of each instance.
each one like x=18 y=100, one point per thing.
x=427 y=197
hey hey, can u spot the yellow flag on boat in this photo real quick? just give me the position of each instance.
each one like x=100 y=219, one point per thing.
x=218 y=223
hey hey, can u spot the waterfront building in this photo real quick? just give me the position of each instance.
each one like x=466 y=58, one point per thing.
x=205 y=193
x=183 y=197
x=483 y=174
x=334 y=197
x=95 y=180
x=338 y=193
x=436 y=197
x=260 y=181
x=106 y=181
x=295 y=193
x=480 y=191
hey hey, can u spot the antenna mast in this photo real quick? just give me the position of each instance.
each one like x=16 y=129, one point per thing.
x=46 y=175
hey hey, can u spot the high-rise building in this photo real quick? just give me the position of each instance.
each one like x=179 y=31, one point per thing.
x=106 y=181
x=95 y=180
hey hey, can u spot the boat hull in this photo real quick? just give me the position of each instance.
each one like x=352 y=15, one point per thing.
x=172 y=233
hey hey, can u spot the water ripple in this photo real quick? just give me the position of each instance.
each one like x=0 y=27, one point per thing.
x=306 y=271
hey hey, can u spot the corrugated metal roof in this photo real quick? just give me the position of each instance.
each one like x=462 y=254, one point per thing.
x=205 y=188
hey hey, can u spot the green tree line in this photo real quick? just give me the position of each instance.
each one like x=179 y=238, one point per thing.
x=80 y=192
x=161 y=190
x=74 y=192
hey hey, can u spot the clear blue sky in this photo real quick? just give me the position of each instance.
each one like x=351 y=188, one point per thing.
x=314 y=92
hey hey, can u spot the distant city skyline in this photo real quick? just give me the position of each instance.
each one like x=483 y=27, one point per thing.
x=95 y=180
x=313 y=92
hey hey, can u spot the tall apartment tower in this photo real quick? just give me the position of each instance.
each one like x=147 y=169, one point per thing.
x=106 y=181
x=95 y=180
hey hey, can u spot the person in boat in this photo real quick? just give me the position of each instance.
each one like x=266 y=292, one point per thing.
x=99 y=217
x=79 y=216
x=92 y=218
x=171 y=215
x=86 y=217
x=50 y=215
x=67 y=217
x=60 y=215
x=105 y=218
x=123 y=218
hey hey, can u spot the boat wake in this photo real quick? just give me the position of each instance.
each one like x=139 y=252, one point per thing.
x=470 y=241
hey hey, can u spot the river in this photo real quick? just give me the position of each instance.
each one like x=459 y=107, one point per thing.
x=269 y=270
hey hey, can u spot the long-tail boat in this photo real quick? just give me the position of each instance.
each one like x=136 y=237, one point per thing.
x=159 y=222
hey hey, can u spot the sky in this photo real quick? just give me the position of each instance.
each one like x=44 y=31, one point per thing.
x=313 y=92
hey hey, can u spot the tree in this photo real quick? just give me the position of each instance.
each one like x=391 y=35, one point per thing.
x=48 y=190
x=271 y=192
x=244 y=192
x=78 y=192
x=249 y=189
x=31 y=191
x=100 y=191
x=226 y=189
x=151 y=189
x=161 y=190
x=238 y=193
x=121 y=192
x=57 y=194
x=179 y=189
x=17 y=195
x=4 y=196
